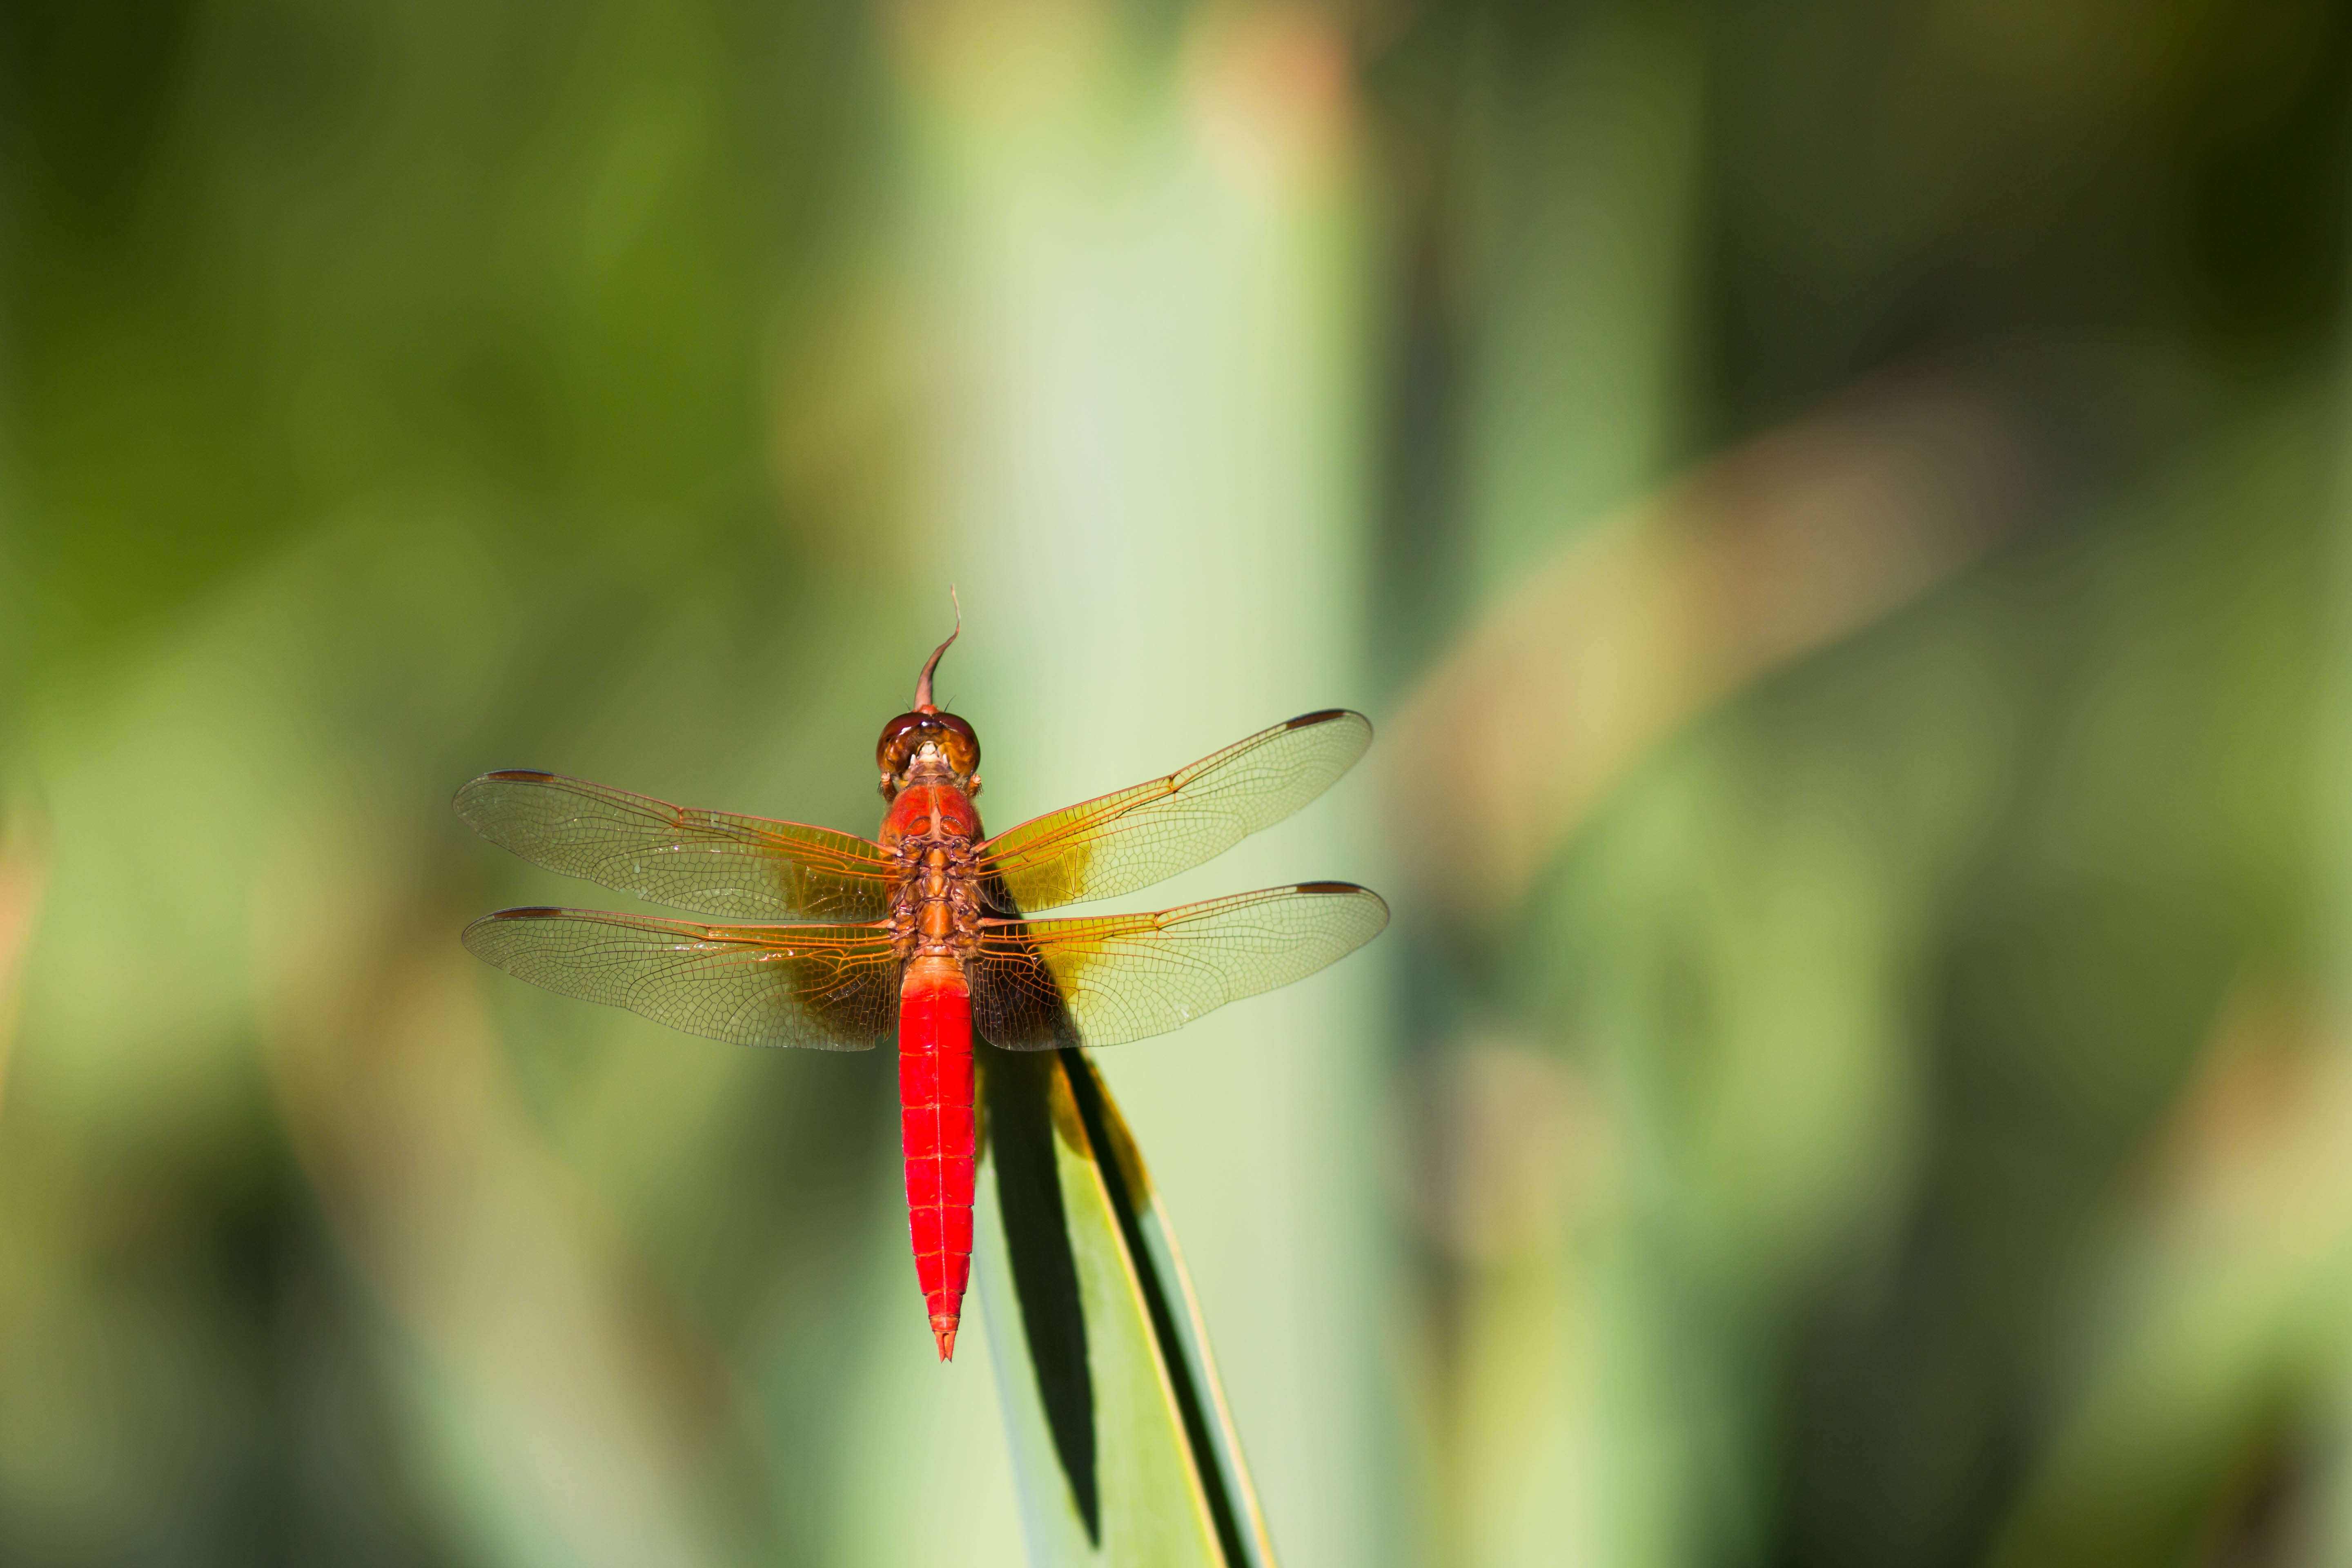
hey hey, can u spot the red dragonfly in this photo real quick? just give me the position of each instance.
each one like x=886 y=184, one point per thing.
x=930 y=925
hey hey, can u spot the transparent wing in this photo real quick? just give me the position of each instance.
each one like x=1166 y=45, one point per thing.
x=1038 y=984
x=1115 y=844
x=747 y=868
x=828 y=988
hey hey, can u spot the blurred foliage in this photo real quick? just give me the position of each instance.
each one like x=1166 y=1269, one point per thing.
x=1842 y=503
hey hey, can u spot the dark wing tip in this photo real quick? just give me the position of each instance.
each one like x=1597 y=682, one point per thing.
x=1348 y=891
x=478 y=940
x=463 y=799
x=1323 y=716
x=477 y=931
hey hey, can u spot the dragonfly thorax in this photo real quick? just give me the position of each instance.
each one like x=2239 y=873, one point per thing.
x=935 y=909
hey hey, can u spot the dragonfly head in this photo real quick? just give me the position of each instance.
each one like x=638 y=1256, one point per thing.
x=928 y=745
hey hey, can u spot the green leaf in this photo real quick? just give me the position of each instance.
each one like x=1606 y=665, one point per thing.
x=1123 y=1447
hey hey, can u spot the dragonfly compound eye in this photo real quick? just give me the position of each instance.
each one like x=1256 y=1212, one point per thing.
x=961 y=745
x=901 y=737
x=904 y=738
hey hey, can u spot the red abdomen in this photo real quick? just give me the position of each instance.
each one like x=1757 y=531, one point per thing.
x=935 y=1117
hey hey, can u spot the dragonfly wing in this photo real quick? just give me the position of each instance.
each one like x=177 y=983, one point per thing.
x=824 y=987
x=1117 y=843
x=747 y=868
x=1039 y=984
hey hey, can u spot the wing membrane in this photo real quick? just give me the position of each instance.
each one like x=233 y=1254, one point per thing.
x=747 y=868
x=1117 y=843
x=1038 y=984
x=823 y=987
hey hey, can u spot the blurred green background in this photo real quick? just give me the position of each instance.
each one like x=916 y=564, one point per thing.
x=1837 y=507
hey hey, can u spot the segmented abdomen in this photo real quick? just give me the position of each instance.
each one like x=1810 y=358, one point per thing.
x=935 y=1115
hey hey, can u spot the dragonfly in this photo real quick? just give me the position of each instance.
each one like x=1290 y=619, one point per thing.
x=833 y=939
